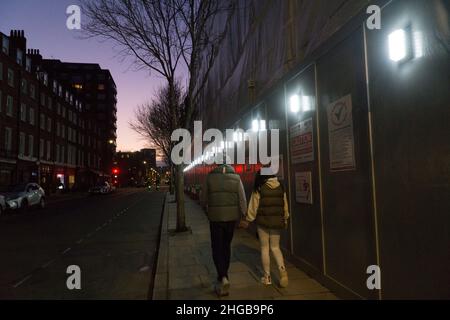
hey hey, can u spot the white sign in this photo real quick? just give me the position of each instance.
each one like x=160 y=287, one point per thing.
x=303 y=187
x=340 y=134
x=302 y=145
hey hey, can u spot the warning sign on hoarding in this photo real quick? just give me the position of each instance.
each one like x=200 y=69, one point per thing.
x=303 y=190
x=340 y=134
x=302 y=144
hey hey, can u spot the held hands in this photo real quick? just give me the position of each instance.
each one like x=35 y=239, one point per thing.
x=243 y=224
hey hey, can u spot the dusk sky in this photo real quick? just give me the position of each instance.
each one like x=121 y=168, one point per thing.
x=44 y=23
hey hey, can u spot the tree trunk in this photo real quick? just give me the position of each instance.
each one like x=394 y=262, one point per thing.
x=181 y=217
x=172 y=178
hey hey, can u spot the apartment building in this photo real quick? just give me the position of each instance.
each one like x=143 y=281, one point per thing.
x=47 y=135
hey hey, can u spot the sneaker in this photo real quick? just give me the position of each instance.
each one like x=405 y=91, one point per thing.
x=284 y=281
x=266 y=280
x=225 y=286
x=222 y=287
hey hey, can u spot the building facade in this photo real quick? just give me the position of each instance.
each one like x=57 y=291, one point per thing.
x=46 y=134
x=136 y=168
x=363 y=119
x=97 y=89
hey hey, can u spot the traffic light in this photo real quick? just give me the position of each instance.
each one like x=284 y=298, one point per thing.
x=115 y=171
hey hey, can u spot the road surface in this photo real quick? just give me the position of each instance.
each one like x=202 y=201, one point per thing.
x=111 y=238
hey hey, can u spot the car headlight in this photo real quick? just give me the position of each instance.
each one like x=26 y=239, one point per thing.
x=13 y=204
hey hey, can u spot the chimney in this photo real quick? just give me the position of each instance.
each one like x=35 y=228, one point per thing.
x=17 y=41
x=36 y=58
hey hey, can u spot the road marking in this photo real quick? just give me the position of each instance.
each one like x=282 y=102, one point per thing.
x=67 y=250
x=45 y=265
x=98 y=229
x=22 y=281
x=89 y=235
x=80 y=241
x=105 y=224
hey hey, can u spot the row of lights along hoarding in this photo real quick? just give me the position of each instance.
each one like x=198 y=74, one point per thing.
x=403 y=45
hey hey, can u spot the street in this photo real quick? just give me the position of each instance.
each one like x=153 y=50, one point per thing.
x=112 y=238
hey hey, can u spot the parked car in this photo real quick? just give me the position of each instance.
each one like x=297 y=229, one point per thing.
x=102 y=188
x=24 y=195
x=2 y=205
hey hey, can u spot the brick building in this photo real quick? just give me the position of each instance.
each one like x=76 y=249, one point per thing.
x=47 y=133
x=135 y=168
x=97 y=89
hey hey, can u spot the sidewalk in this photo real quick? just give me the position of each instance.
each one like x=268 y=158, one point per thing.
x=185 y=269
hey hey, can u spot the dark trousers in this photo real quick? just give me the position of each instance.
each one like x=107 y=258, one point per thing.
x=221 y=236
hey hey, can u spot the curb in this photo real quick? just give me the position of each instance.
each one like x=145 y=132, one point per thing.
x=161 y=281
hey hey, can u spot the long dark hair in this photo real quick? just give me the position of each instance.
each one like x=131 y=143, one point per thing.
x=260 y=180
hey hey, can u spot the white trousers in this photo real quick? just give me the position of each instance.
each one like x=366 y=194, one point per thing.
x=270 y=242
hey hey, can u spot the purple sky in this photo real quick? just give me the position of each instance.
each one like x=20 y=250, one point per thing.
x=44 y=22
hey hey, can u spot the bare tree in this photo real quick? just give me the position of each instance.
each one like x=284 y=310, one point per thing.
x=153 y=120
x=165 y=37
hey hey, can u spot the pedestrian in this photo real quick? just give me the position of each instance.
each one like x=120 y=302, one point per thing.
x=269 y=207
x=225 y=204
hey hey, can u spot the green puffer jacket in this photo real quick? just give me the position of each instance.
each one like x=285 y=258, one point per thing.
x=270 y=212
x=223 y=194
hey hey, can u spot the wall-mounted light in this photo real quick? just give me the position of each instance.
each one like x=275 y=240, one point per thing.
x=255 y=125
x=401 y=46
x=301 y=103
x=418 y=44
x=306 y=103
x=262 y=125
x=294 y=103
x=258 y=125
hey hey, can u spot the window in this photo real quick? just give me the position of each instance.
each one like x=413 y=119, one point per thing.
x=62 y=155
x=69 y=154
x=23 y=112
x=101 y=96
x=32 y=91
x=49 y=103
x=42 y=121
x=49 y=125
x=21 y=144
x=8 y=139
x=10 y=77
x=42 y=99
x=63 y=131
x=28 y=64
x=30 y=145
x=19 y=57
x=9 y=106
x=58 y=153
x=41 y=148
x=58 y=108
x=78 y=86
x=32 y=120
x=49 y=150
x=1 y=101
x=23 y=86
x=101 y=87
x=5 y=45
x=58 y=129
x=63 y=112
x=55 y=87
x=1 y=71
x=69 y=114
